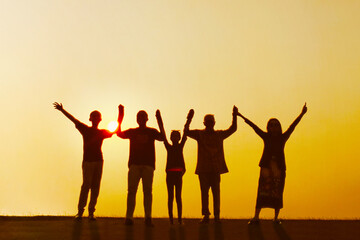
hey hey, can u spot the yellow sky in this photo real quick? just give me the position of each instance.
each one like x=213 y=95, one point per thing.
x=266 y=57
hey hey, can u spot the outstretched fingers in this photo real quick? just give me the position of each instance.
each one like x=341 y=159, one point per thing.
x=58 y=106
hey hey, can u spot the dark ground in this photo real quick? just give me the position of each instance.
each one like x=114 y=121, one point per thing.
x=48 y=228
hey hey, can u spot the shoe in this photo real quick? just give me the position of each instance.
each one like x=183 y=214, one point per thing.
x=205 y=220
x=129 y=222
x=79 y=216
x=92 y=217
x=180 y=221
x=148 y=222
x=217 y=219
x=253 y=221
x=277 y=221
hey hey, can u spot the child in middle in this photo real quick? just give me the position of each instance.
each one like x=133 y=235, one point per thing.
x=175 y=165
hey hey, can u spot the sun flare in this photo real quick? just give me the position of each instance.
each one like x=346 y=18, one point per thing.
x=112 y=126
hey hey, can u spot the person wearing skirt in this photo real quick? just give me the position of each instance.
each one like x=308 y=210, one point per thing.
x=272 y=165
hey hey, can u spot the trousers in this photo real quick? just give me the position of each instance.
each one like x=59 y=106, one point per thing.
x=92 y=172
x=146 y=174
x=207 y=181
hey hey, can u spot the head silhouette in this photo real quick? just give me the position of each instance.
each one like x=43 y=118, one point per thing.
x=175 y=136
x=209 y=121
x=142 y=118
x=95 y=118
x=274 y=126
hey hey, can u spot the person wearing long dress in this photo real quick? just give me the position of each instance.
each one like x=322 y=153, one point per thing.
x=272 y=165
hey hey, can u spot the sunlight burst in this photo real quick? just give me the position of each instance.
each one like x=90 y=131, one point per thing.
x=112 y=126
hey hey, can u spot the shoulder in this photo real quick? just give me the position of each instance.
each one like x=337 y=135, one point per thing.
x=152 y=130
x=194 y=133
x=81 y=126
x=106 y=133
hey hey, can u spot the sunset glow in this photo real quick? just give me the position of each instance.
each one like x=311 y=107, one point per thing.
x=266 y=57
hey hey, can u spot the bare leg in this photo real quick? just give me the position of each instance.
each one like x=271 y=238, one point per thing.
x=255 y=219
x=257 y=213
x=170 y=188
x=277 y=211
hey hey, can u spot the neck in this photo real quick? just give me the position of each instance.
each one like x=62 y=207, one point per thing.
x=209 y=129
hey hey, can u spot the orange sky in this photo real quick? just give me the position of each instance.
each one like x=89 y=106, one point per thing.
x=265 y=57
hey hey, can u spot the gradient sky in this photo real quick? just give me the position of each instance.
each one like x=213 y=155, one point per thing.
x=265 y=57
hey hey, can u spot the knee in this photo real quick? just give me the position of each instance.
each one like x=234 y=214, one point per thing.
x=148 y=191
x=86 y=186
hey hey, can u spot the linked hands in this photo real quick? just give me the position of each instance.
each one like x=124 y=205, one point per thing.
x=190 y=114
x=121 y=109
x=189 y=118
x=235 y=111
x=121 y=113
x=159 y=119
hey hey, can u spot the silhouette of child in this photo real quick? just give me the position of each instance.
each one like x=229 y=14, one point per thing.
x=92 y=164
x=175 y=165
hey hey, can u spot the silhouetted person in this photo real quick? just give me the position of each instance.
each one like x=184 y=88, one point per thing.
x=141 y=163
x=272 y=165
x=175 y=165
x=92 y=164
x=211 y=161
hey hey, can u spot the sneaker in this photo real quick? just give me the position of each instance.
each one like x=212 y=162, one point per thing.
x=254 y=221
x=205 y=220
x=92 y=217
x=129 y=222
x=148 y=222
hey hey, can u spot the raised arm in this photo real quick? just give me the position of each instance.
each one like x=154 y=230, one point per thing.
x=60 y=107
x=257 y=130
x=187 y=132
x=120 y=119
x=233 y=126
x=187 y=125
x=288 y=132
x=161 y=127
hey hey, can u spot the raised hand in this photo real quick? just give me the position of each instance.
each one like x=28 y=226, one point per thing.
x=121 y=114
x=58 y=106
x=235 y=111
x=304 y=109
x=159 y=119
x=190 y=114
x=121 y=109
x=158 y=114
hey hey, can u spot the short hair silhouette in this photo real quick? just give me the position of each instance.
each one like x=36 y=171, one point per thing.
x=175 y=136
x=142 y=117
x=95 y=115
